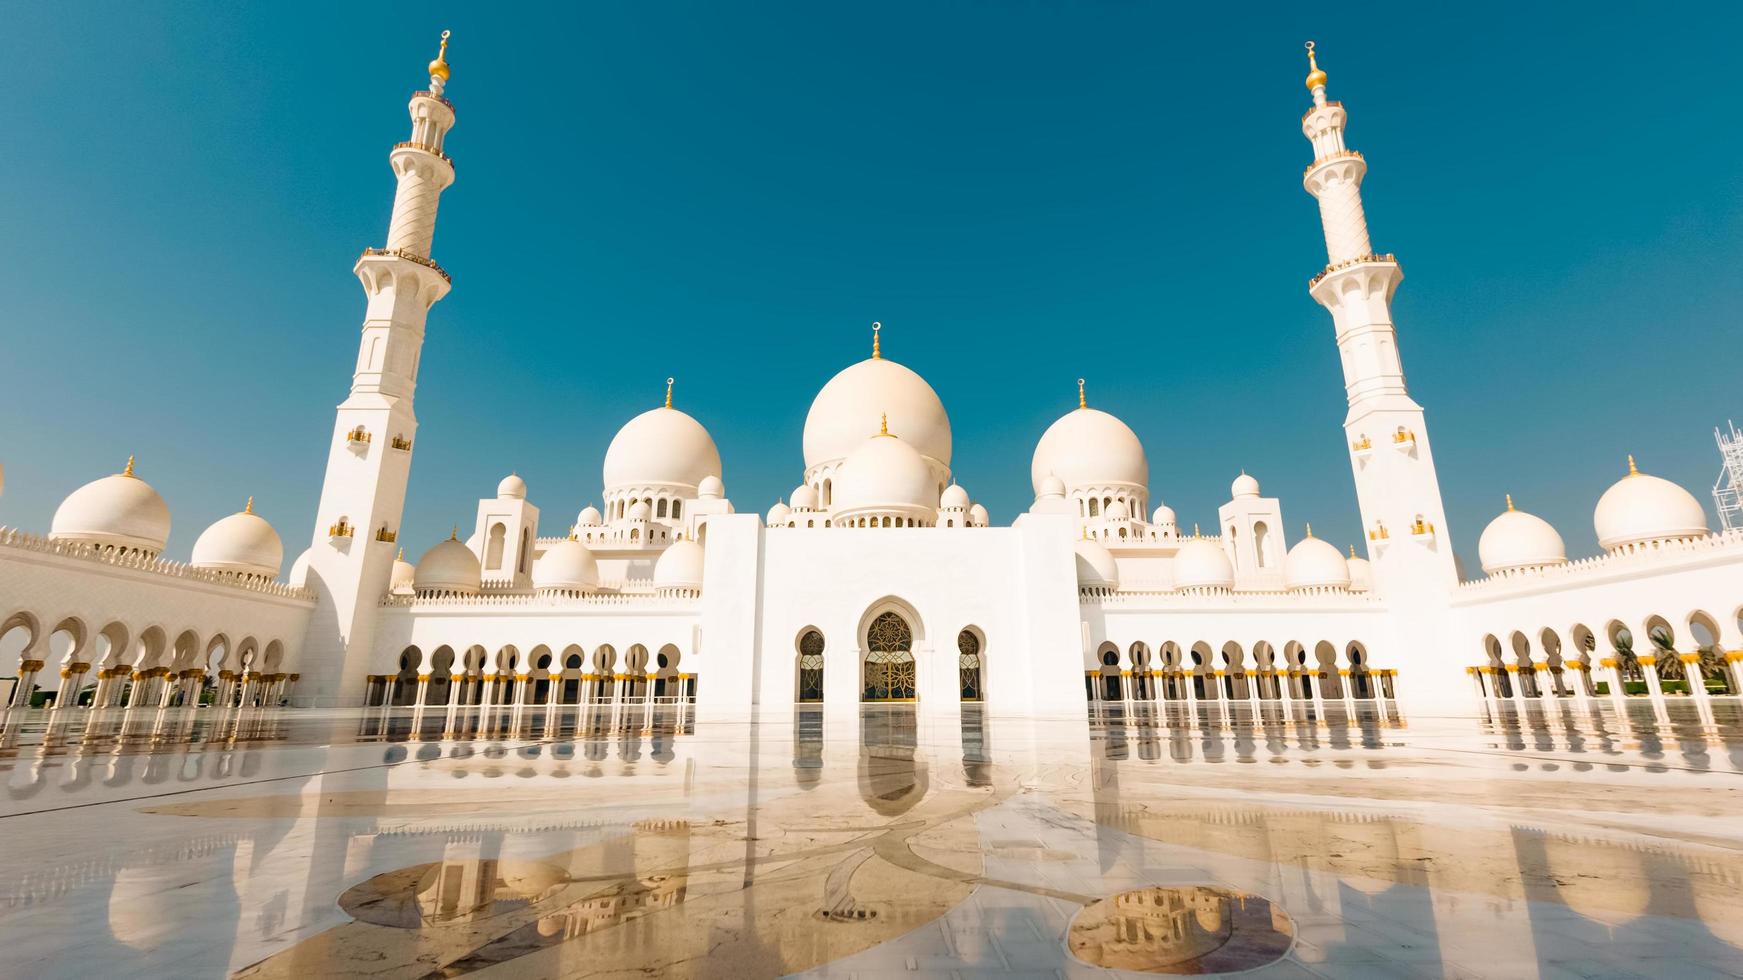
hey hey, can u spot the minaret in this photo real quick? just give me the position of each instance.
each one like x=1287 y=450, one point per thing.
x=369 y=460
x=1385 y=433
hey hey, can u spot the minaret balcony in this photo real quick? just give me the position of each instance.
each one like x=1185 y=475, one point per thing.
x=383 y=534
x=1379 y=537
x=432 y=151
x=1329 y=157
x=1362 y=449
x=1421 y=531
x=1351 y=263
x=1404 y=441
x=402 y=444
x=340 y=529
x=358 y=436
x=400 y=253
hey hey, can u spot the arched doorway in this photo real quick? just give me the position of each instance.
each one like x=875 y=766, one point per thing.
x=810 y=681
x=968 y=648
x=889 y=659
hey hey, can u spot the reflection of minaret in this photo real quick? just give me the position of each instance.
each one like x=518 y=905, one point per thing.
x=369 y=458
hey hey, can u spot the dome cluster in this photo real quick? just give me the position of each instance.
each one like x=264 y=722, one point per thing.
x=1638 y=512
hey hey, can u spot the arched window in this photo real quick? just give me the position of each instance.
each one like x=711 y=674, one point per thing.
x=969 y=665
x=889 y=659
x=811 y=667
x=828 y=492
x=660 y=511
x=526 y=552
x=1261 y=541
x=493 y=551
x=635 y=534
x=1094 y=507
x=677 y=509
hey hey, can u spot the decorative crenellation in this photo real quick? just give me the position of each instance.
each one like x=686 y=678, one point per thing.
x=410 y=256
x=547 y=598
x=1350 y=263
x=1665 y=552
x=1323 y=599
x=11 y=537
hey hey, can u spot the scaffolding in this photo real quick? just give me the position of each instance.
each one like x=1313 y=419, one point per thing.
x=1728 y=491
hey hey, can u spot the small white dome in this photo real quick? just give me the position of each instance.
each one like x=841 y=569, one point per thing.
x=639 y=511
x=589 y=517
x=1096 y=568
x=836 y=424
x=1640 y=508
x=710 y=487
x=1118 y=511
x=120 y=511
x=804 y=498
x=1361 y=573
x=1201 y=564
x=884 y=473
x=978 y=516
x=1244 y=486
x=400 y=581
x=568 y=565
x=680 y=567
x=1164 y=515
x=1089 y=447
x=1315 y=564
x=662 y=446
x=243 y=543
x=778 y=514
x=512 y=487
x=448 y=567
x=1515 y=539
x=953 y=498
x=1051 y=486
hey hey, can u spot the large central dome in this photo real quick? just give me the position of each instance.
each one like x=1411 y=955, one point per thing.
x=850 y=405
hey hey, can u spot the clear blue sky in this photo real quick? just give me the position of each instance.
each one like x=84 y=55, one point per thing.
x=1022 y=193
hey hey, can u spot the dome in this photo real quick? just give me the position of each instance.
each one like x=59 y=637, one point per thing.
x=804 y=498
x=843 y=412
x=589 y=517
x=120 y=511
x=243 y=543
x=953 y=498
x=1244 y=486
x=1516 y=539
x=680 y=567
x=885 y=473
x=1051 y=486
x=1089 y=447
x=778 y=514
x=1361 y=573
x=1118 y=511
x=639 y=511
x=978 y=516
x=1315 y=564
x=512 y=487
x=662 y=446
x=567 y=565
x=1201 y=564
x=1096 y=568
x=448 y=567
x=400 y=580
x=710 y=487
x=1164 y=515
x=1640 y=507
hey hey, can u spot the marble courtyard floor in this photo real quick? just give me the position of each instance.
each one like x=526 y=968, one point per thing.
x=1561 y=841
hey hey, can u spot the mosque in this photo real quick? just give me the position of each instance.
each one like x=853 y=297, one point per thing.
x=878 y=578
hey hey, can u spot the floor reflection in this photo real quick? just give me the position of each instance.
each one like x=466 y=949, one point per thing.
x=1159 y=837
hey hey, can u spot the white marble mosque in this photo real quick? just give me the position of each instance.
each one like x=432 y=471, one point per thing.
x=871 y=731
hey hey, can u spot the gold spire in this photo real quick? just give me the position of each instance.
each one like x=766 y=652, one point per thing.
x=249 y=508
x=1315 y=77
x=129 y=470
x=439 y=67
x=668 y=392
x=1310 y=530
x=877 y=354
x=1352 y=551
x=1632 y=469
x=884 y=425
x=1195 y=529
x=400 y=556
x=454 y=535
x=1081 y=403
x=1509 y=501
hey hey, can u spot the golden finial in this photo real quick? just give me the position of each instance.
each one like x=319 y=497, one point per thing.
x=439 y=67
x=1509 y=501
x=128 y=469
x=1310 y=530
x=884 y=425
x=1081 y=403
x=877 y=354
x=454 y=535
x=1632 y=469
x=1195 y=529
x=249 y=507
x=1315 y=77
x=1352 y=551
x=400 y=556
x=668 y=392
x=572 y=533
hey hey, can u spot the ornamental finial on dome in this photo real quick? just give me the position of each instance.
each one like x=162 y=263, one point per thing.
x=439 y=68
x=884 y=424
x=1509 y=501
x=1081 y=403
x=1315 y=77
x=877 y=354
x=1352 y=551
x=1310 y=530
x=400 y=556
x=128 y=471
x=1632 y=469
x=668 y=392
x=454 y=535
x=248 y=508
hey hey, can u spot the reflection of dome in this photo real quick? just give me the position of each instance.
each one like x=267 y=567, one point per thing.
x=662 y=446
x=1607 y=883
x=589 y=517
x=1244 y=486
x=1640 y=508
x=1201 y=564
x=512 y=487
x=400 y=580
x=243 y=543
x=529 y=880
x=1361 y=573
x=448 y=567
x=852 y=400
x=1096 y=568
x=804 y=498
x=1516 y=539
x=569 y=566
x=143 y=912
x=680 y=567
x=710 y=487
x=1088 y=447
x=953 y=498
x=885 y=473
x=1315 y=564
x=120 y=511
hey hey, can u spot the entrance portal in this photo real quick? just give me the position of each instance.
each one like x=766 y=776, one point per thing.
x=889 y=660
